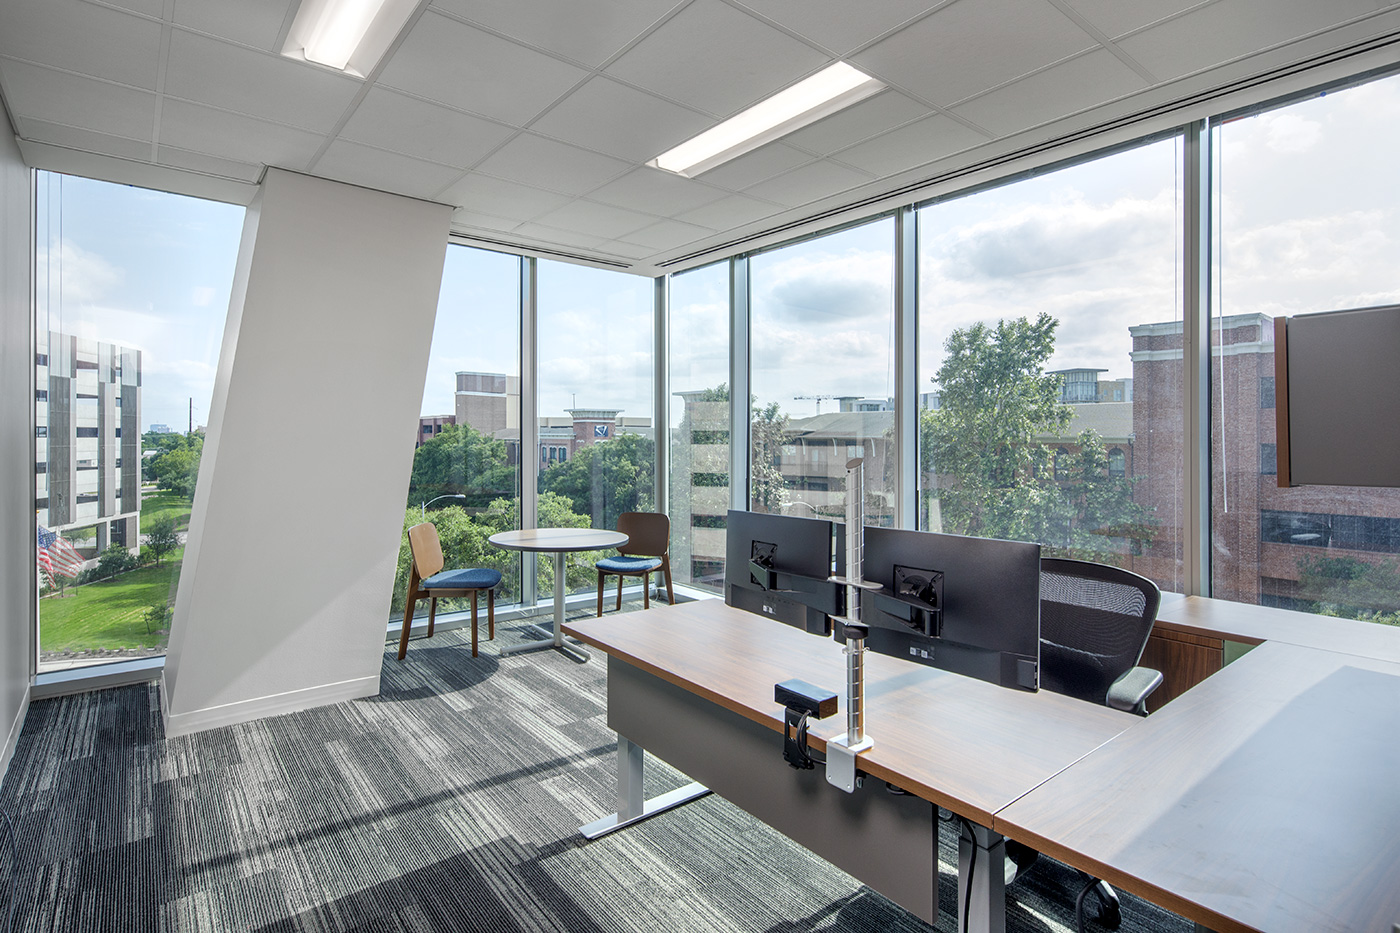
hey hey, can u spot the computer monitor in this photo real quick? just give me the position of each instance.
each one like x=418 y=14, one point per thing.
x=967 y=605
x=779 y=566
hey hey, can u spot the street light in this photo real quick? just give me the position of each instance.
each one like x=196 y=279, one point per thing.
x=423 y=509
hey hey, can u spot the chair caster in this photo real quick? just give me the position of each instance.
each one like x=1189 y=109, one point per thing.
x=1109 y=913
x=1019 y=858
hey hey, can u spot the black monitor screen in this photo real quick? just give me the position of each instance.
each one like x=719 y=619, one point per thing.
x=779 y=566
x=968 y=605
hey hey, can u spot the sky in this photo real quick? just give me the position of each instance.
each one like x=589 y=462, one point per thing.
x=1308 y=220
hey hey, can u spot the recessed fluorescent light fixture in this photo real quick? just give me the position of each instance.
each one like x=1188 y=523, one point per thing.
x=829 y=90
x=348 y=35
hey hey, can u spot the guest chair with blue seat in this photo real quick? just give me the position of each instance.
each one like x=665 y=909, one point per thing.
x=647 y=551
x=427 y=580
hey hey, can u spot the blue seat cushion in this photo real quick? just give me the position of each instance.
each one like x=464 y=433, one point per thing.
x=474 y=578
x=628 y=564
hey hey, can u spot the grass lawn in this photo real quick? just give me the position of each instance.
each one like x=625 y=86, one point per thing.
x=160 y=503
x=108 y=614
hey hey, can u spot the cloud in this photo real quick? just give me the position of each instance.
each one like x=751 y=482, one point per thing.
x=77 y=276
x=202 y=296
x=1289 y=132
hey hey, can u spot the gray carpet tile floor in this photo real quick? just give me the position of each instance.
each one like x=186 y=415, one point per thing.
x=450 y=802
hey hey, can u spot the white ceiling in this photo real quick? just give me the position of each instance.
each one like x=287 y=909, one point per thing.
x=535 y=118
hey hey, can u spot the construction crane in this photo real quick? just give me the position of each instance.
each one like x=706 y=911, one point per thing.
x=817 y=398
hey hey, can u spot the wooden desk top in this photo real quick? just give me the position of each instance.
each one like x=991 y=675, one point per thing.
x=1263 y=799
x=558 y=539
x=1253 y=625
x=966 y=745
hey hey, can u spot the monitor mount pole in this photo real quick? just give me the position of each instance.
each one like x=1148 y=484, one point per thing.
x=841 y=752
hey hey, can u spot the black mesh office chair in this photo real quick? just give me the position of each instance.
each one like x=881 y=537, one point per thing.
x=1094 y=623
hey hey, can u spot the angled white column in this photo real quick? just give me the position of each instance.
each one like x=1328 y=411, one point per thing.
x=294 y=535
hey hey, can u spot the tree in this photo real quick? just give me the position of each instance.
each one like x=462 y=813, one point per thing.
x=768 y=428
x=178 y=470
x=1352 y=588
x=113 y=560
x=462 y=461
x=990 y=475
x=161 y=537
x=605 y=479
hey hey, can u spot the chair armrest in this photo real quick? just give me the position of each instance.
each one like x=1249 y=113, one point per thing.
x=1130 y=692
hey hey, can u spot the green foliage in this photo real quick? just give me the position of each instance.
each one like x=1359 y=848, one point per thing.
x=991 y=477
x=156 y=505
x=161 y=538
x=109 y=614
x=768 y=432
x=461 y=461
x=113 y=560
x=605 y=479
x=177 y=471
x=156 y=617
x=1350 y=588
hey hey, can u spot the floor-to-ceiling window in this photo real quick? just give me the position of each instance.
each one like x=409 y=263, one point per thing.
x=132 y=288
x=466 y=465
x=822 y=337
x=597 y=454
x=1050 y=323
x=1307 y=213
x=699 y=398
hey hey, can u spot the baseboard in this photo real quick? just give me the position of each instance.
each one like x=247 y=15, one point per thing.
x=262 y=707
x=12 y=739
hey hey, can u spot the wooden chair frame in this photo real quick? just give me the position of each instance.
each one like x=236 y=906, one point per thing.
x=425 y=559
x=649 y=535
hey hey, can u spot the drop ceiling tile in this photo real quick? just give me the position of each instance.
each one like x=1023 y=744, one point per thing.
x=534 y=160
x=468 y=69
x=587 y=32
x=847 y=127
x=668 y=234
x=601 y=220
x=655 y=191
x=717 y=59
x=72 y=137
x=731 y=212
x=58 y=97
x=841 y=25
x=154 y=8
x=233 y=136
x=1229 y=29
x=1116 y=17
x=911 y=146
x=556 y=237
x=625 y=250
x=753 y=167
x=502 y=198
x=208 y=165
x=383 y=171
x=621 y=121
x=1071 y=86
x=259 y=84
x=974 y=45
x=252 y=22
x=425 y=131
x=809 y=183
x=83 y=37
x=468 y=221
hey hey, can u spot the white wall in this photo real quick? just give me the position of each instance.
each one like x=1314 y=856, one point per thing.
x=294 y=535
x=17 y=573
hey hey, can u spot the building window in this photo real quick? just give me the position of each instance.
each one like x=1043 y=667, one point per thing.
x=41 y=431
x=1268 y=459
x=41 y=395
x=1266 y=391
x=85 y=432
x=1117 y=463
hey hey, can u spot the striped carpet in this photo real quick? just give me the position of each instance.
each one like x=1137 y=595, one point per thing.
x=450 y=802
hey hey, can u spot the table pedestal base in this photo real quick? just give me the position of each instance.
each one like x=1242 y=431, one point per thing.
x=555 y=640
x=631 y=808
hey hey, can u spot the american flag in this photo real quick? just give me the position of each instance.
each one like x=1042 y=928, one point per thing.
x=56 y=555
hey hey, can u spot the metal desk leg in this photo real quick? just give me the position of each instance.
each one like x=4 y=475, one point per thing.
x=631 y=808
x=983 y=856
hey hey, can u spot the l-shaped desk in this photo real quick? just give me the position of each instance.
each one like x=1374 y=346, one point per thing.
x=1263 y=799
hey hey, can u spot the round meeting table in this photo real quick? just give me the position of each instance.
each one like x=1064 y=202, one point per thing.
x=558 y=541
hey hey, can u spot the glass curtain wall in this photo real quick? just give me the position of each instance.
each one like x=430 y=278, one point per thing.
x=822 y=338
x=699 y=399
x=597 y=453
x=466 y=465
x=1307 y=213
x=132 y=289
x=1050 y=394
